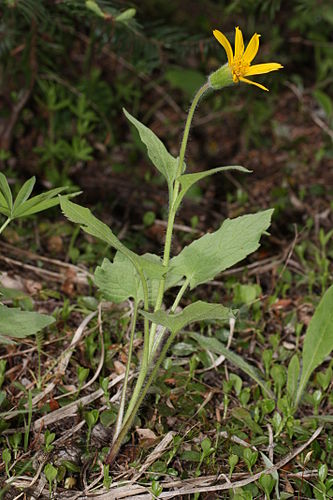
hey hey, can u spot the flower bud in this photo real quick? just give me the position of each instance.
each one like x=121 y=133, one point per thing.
x=221 y=78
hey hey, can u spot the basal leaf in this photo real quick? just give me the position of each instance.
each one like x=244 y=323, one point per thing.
x=198 y=311
x=211 y=254
x=187 y=180
x=217 y=347
x=6 y=192
x=118 y=280
x=18 y=324
x=24 y=193
x=165 y=163
x=292 y=378
x=318 y=342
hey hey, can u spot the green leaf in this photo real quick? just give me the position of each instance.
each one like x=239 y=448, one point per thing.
x=19 y=324
x=292 y=378
x=217 y=347
x=244 y=416
x=119 y=280
x=187 y=180
x=198 y=311
x=40 y=202
x=126 y=15
x=318 y=342
x=109 y=278
x=50 y=472
x=91 y=225
x=211 y=254
x=7 y=199
x=24 y=193
x=165 y=163
x=95 y=8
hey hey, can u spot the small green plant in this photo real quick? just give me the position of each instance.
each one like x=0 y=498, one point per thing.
x=51 y=475
x=15 y=323
x=49 y=437
x=91 y=418
x=146 y=278
x=6 y=457
x=318 y=343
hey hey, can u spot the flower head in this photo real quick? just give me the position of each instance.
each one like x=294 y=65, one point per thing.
x=239 y=63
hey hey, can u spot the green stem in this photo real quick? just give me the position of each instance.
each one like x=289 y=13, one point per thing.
x=5 y=224
x=149 y=349
x=159 y=337
x=172 y=211
x=128 y=423
x=145 y=355
x=128 y=365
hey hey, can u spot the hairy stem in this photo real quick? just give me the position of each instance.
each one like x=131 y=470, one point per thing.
x=128 y=365
x=172 y=211
x=150 y=346
x=128 y=423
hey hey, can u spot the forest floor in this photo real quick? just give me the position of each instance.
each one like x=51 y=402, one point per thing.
x=205 y=427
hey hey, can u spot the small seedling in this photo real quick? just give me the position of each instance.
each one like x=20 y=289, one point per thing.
x=51 y=475
x=267 y=482
x=206 y=451
x=15 y=440
x=91 y=418
x=250 y=458
x=233 y=461
x=7 y=457
x=82 y=375
x=107 y=479
x=156 y=488
x=49 y=437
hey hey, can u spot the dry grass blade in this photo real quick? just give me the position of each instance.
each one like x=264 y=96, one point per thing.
x=71 y=409
x=139 y=492
x=157 y=452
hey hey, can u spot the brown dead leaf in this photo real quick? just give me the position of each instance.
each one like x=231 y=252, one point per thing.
x=68 y=286
x=119 y=367
x=305 y=313
x=281 y=304
x=146 y=437
x=54 y=405
x=12 y=282
x=33 y=287
x=55 y=244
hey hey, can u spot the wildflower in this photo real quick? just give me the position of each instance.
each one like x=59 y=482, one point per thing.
x=239 y=63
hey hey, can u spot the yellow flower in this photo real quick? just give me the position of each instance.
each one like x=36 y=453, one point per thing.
x=240 y=63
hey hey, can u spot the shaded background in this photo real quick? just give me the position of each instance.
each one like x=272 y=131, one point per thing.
x=69 y=67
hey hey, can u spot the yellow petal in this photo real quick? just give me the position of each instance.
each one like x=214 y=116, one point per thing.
x=252 y=49
x=225 y=44
x=259 y=69
x=245 y=80
x=239 y=43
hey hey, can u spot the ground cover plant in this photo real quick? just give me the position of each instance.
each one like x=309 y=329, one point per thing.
x=144 y=383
